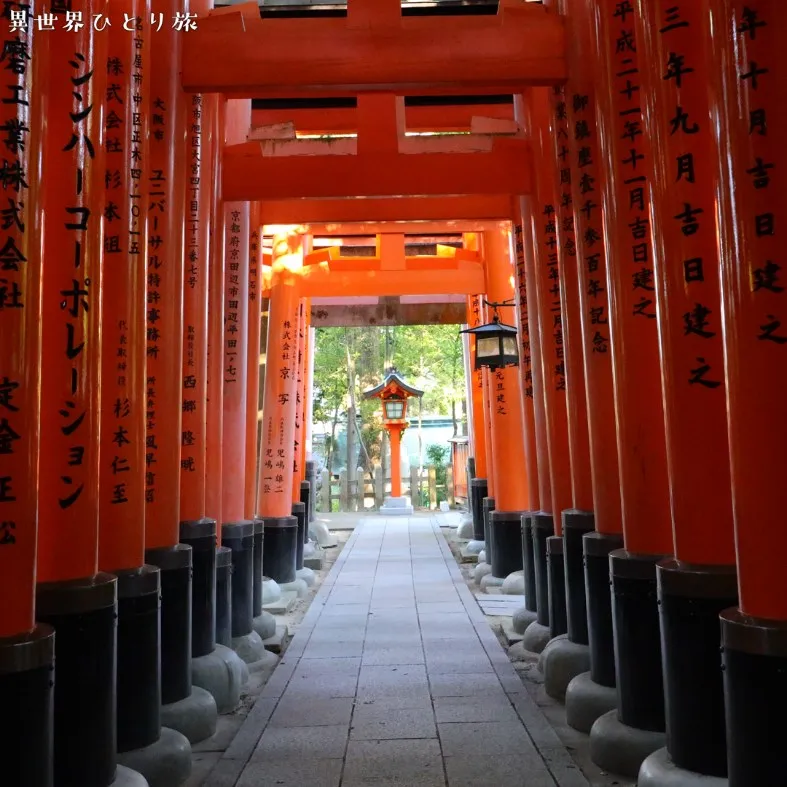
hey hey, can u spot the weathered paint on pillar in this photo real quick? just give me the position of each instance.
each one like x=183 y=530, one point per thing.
x=214 y=429
x=309 y=402
x=477 y=390
x=586 y=183
x=253 y=373
x=20 y=324
x=527 y=353
x=201 y=147
x=573 y=345
x=274 y=494
x=632 y=297
x=508 y=441
x=73 y=201
x=167 y=181
x=750 y=112
x=684 y=187
x=544 y=225
x=124 y=333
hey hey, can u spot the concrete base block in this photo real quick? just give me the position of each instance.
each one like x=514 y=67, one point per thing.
x=491 y=583
x=125 y=777
x=264 y=624
x=480 y=571
x=620 y=749
x=319 y=532
x=508 y=632
x=283 y=605
x=308 y=549
x=467 y=556
x=165 y=763
x=223 y=674
x=561 y=661
x=536 y=637
x=658 y=770
x=275 y=643
x=297 y=586
x=474 y=547
x=522 y=618
x=315 y=560
x=194 y=717
x=465 y=529
x=586 y=700
x=518 y=652
x=514 y=584
x=482 y=556
x=270 y=590
x=307 y=575
x=251 y=649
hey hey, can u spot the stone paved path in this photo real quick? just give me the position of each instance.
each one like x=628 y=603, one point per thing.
x=395 y=678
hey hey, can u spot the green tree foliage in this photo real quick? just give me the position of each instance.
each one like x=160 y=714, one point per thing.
x=428 y=357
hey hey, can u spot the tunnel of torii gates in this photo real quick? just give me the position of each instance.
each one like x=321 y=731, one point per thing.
x=625 y=197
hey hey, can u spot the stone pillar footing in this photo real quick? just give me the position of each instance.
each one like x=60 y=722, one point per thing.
x=658 y=770
x=195 y=717
x=536 y=637
x=561 y=661
x=586 y=700
x=265 y=625
x=125 y=777
x=522 y=618
x=490 y=583
x=480 y=571
x=620 y=749
x=222 y=673
x=252 y=650
x=165 y=763
x=514 y=584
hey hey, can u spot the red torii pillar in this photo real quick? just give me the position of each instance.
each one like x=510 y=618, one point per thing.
x=277 y=450
x=748 y=72
x=700 y=581
x=504 y=545
x=591 y=694
x=26 y=647
x=532 y=404
x=620 y=739
x=79 y=602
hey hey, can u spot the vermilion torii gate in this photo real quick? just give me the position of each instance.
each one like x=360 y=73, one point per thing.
x=628 y=195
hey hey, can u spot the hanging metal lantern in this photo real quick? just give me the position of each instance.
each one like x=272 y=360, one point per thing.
x=496 y=344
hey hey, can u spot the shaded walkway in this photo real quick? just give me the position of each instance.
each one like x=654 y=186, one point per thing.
x=395 y=678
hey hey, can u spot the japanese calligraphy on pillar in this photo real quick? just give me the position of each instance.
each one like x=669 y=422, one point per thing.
x=632 y=159
x=232 y=329
x=550 y=219
x=157 y=247
x=19 y=314
x=525 y=360
x=255 y=249
x=298 y=390
x=192 y=443
x=125 y=254
x=762 y=212
x=474 y=321
x=587 y=211
x=565 y=216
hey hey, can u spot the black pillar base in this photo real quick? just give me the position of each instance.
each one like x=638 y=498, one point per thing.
x=575 y=525
x=306 y=499
x=256 y=582
x=138 y=658
x=299 y=512
x=477 y=491
x=239 y=537
x=27 y=672
x=281 y=537
x=200 y=535
x=83 y=613
x=542 y=526
x=505 y=534
x=487 y=507
x=754 y=658
x=528 y=564
x=224 y=596
x=635 y=621
x=690 y=601
x=596 y=548
x=175 y=566
x=556 y=580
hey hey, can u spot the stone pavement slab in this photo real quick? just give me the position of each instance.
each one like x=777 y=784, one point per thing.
x=394 y=677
